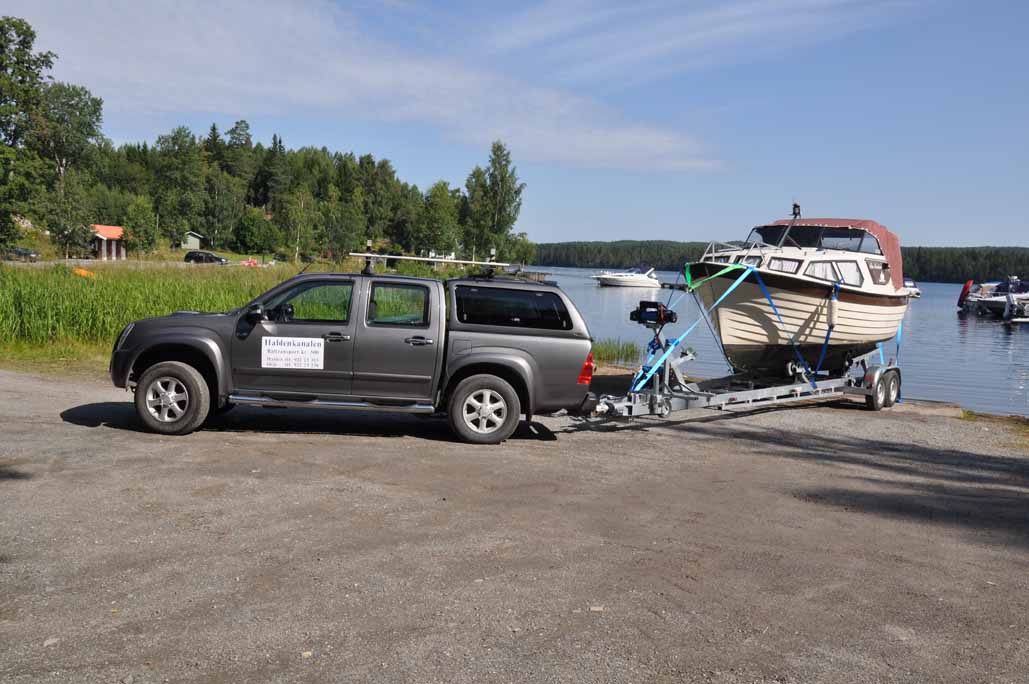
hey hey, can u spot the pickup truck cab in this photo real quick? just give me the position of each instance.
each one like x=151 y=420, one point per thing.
x=484 y=351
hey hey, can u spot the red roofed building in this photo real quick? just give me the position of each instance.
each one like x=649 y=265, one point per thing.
x=108 y=242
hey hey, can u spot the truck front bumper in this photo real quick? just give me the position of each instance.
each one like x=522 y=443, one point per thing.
x=120 y=367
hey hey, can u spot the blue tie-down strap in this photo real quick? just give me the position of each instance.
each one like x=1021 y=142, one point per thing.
x=647 y=372
x=900 y=335
x=829 y=328
x=793 y=337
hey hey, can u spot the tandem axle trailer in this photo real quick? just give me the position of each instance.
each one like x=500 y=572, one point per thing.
x=668 y=388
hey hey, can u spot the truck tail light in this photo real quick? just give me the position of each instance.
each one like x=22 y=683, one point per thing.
x=586 y=374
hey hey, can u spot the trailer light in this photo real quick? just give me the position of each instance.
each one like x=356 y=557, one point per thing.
x=586 y=374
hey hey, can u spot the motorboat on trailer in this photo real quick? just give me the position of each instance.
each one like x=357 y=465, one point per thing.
x=913 y=290
x=822 y=272
x=638 y=276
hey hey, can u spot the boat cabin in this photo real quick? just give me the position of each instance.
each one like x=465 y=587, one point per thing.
x=853 y=252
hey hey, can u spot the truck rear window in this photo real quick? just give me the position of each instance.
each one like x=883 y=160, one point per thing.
x=511 y=308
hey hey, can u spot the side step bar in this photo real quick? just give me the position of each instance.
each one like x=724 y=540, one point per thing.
x=322 y=404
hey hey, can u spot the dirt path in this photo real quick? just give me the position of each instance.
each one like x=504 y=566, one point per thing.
x=811 y=544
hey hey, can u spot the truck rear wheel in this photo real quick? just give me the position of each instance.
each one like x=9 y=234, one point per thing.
x=484 y=409
x=172 y=398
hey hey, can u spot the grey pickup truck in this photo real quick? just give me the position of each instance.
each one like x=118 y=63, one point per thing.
x=484 y=351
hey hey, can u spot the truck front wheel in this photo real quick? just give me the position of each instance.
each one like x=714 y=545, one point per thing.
x=172 y=398
x=484 y=409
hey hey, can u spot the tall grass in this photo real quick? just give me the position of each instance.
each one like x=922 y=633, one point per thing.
x=616 y=351
x=43 y=305
x=55 y=304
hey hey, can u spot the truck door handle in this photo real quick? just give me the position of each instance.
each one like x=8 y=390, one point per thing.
x=335 y=337
x=418 y=341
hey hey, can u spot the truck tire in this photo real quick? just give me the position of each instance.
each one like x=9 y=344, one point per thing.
x=484 y=409
x=172 y=398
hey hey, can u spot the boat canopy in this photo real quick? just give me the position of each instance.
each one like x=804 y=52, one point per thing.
x=889 y=243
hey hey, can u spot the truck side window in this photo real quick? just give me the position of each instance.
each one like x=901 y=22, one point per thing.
x=399 y=304
x=511 y=308
x=315 y=303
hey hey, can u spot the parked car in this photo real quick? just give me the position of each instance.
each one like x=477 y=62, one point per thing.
x=200 y=257
x=484 y=351
x=22 y=254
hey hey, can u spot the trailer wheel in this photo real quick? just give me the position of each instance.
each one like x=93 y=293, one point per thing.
x=892 y=388
x=877 y=399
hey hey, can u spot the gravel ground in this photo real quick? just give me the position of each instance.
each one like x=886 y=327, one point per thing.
x=807 y=544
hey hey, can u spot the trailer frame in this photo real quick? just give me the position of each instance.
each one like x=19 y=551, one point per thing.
x=870 y=375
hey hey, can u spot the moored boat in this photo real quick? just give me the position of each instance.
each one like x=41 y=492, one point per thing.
x=913 y=290
x=973 y=293
x=1006 y=297
x=846 y=273
x=638 y=276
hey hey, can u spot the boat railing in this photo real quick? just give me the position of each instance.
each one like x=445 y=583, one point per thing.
x=715 y=248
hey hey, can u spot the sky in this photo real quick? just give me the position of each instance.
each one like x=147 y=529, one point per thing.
x=634 y=120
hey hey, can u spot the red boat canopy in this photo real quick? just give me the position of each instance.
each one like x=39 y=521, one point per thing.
x=889 y=242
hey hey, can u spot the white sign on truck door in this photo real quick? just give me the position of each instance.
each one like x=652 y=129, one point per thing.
x=293 y=352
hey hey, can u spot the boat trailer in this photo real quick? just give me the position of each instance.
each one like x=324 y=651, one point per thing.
x=668 y=389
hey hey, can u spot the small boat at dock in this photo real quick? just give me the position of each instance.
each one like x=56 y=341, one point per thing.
x=913 y=290
x=1010 y=295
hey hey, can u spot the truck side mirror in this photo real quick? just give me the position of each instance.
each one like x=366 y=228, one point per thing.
x=255 y=313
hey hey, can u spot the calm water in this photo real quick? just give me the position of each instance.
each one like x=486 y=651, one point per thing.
x=979 y=363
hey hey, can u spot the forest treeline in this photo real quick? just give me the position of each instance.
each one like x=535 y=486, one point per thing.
x=60 y=173
x=929 y=264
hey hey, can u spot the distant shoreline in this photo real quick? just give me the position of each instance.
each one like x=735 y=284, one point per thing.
x=930 y=264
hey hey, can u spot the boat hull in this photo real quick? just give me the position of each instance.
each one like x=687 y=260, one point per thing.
x=625 y=282
x=755 y=341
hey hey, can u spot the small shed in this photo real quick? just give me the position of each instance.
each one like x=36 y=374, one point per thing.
x=108 y=242
x=191 y=240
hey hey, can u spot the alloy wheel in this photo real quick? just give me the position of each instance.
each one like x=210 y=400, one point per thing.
x=167 y=399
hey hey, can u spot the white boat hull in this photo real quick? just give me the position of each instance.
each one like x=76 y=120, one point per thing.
x=621 y=281
x=755 y=340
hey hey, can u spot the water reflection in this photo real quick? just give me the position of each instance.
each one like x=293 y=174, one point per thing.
x=979 y=363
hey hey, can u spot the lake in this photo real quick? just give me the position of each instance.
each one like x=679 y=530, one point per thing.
x=979 y=363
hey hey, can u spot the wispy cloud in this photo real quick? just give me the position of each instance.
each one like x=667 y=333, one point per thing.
x=312 y=57
x=578 y=42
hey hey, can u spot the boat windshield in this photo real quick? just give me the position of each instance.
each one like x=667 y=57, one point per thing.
x=816 y=237
x=1012 y=287
x=769 y=235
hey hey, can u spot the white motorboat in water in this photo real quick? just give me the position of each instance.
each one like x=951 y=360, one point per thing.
x=639 y=276
x=846 y=273
x=913 y=290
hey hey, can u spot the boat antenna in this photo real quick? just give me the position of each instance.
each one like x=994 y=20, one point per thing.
x=796 y=211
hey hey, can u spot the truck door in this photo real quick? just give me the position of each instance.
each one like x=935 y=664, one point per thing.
x=305 y=346
x=398 y=341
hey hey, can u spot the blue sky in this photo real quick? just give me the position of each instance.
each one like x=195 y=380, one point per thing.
x=651 y=119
